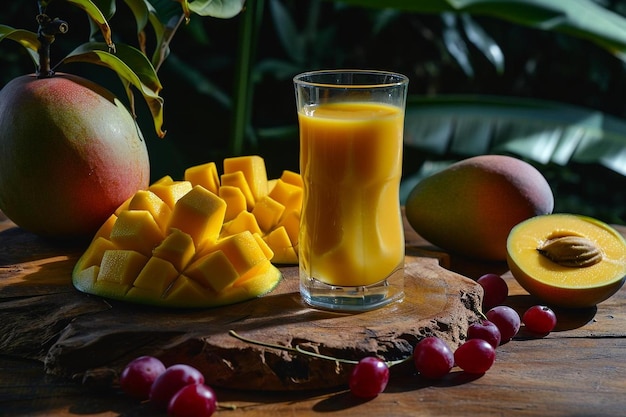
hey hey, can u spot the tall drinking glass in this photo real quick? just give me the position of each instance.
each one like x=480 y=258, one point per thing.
x=351 y=243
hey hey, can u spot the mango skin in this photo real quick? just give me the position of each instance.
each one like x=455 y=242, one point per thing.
x=70 y=154
x=470 y=207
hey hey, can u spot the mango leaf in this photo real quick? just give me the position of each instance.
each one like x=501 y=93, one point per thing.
x=541 y=131
x=98 y=18
x=132 y=67
x=165 y=17
x=581 y=18
x=223 y=9
x=25 y=38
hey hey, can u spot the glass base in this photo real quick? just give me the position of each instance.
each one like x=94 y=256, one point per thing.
x=352 y=299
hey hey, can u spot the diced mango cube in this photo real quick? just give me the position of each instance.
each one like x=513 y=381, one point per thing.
x=147 y=200
x=84 y=279
x=291 y=222
x=242 y=250
x=171 y=192
x=136 y=230
x=288 y=195
x=111 y=289
x=121 y=266
x=200 y=213
x=235 y=201
x=253 y=285
x=177 y=248
x=204 y=175
x=187 y=292
x=267 y=251
x=94 y=253
x=123 y=206
x=156 y=276
x=237 y=179
x=253 y=168
x=285 y=256
x=271 y=184
x=268 y=212
x=213 y=270
x=278 y=240
x=105 y=230
x=244 y=221
x=292 y=178
x=166 y=179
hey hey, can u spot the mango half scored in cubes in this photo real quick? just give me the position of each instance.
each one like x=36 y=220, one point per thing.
x=205 y=241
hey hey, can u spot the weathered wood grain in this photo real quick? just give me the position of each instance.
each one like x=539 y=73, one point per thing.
x=81 y=336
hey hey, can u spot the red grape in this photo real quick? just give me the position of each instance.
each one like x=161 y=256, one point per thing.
x=138 y=376
x=475 y=356
x=173 y=379
x=507 y=320
x=369 y=377
x=195 y=400
x=433 y=357
x=539 y=319
x=485 y=330
x=495 y=290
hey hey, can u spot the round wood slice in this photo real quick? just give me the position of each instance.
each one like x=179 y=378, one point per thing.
x=96 y=346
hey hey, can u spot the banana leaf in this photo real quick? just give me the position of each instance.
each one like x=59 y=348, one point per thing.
x=447 y=128
x=585 y=19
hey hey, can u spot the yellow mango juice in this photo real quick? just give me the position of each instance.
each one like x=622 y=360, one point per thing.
x=351 y=231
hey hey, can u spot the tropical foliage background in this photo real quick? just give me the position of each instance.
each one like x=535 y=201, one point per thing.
x=541 y=79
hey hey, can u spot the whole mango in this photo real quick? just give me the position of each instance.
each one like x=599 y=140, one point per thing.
x=470 y=207
x=70 y=154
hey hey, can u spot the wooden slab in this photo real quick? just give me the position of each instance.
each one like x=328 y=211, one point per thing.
x=91 y=339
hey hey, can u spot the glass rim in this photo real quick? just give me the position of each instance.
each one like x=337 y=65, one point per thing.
x=398 y=79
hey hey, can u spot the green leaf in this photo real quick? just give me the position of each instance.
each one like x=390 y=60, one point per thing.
x=165 y=16
x=223 y=9
x=139 y=9
x=25 y=38
x=542 y=131
x=581 y=18
x=132 y=67
x=96 y=15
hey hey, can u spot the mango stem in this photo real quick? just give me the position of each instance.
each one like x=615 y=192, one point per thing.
x=48 y=29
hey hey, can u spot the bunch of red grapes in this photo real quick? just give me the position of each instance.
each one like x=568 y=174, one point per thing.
x=433 y=357
x=179 y=389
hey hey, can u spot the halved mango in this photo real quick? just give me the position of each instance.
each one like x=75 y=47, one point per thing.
x=197 y=242
x=566 y=272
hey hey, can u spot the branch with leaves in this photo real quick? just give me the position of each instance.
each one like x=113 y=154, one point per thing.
x=134 y=65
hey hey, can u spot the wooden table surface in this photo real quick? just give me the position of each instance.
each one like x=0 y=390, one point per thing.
x=578 y=370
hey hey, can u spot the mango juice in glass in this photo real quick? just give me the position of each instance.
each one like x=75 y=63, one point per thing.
x=351 y=243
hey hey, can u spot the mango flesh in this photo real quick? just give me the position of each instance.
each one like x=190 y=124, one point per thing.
x=470 y=207
x=70 y=154
x=567 y=286
x=179 y=244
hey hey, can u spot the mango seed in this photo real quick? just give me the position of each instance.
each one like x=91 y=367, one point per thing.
x=571 y=251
